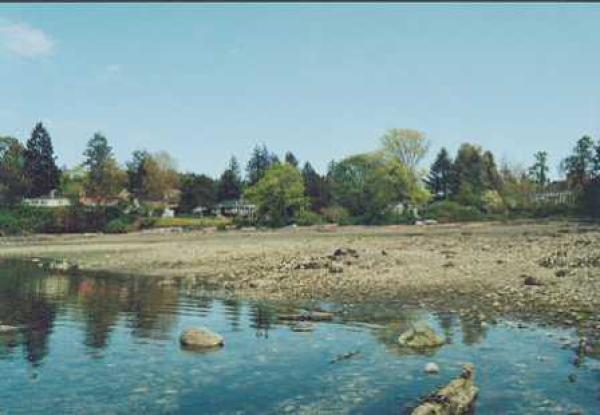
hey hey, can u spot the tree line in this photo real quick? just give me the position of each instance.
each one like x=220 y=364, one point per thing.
x=372 y=187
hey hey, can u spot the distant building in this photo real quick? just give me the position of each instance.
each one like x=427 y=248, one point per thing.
x=50 y=201
x=201 y=210
x=168 y=213
x=566 y=197
x=236 y=208
x=123 y=196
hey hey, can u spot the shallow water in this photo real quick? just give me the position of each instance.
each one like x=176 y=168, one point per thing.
x=110 y=345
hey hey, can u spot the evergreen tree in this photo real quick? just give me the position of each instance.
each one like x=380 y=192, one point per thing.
x=579 y=166
x=491 y=178
x=468 y=175
x=316 y=188
x=539 y=171
x=136 y=172
x=438 y=180
x=259 y=163
x=40 y=163
x=230 y=184
x=291 y=159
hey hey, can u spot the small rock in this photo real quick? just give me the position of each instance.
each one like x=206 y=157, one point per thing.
x=432 y=368
x=200 y=338
x=336 y=267
x=530 y=280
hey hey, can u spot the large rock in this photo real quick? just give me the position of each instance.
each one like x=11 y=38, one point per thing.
x=456 y=398
x=200 y=338
x=421 y=337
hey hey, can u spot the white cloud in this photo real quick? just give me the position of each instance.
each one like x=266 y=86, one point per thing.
x=25 y=40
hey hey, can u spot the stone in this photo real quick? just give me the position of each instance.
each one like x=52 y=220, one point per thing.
x=456 y=398
x=422 y=337
x=4 y=328
x=200 y=338
x=530 y=280
x=336 y=267
x=302 y=327
x=432 y=368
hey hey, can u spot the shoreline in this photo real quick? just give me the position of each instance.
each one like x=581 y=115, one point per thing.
x=479 y=269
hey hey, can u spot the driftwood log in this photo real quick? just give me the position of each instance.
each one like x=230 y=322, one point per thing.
x=456 y=398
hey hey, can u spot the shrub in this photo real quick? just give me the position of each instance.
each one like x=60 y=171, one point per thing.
x=449 y=211
x=9 y=224
x=336 y=214
x=492 y=202
x=120 y=225
x=308 y=218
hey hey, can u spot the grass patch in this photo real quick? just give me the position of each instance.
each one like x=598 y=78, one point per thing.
x=189 y=222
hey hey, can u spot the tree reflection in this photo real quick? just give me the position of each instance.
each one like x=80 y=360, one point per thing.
x=99 y=303
x=262 y=317
x=473 y=330
x=233 y=313
x=23 y=304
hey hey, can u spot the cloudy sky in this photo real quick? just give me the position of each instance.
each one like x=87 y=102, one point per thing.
x=208 y=81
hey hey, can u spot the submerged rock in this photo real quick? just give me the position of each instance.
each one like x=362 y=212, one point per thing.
x=310 y=316
x=200 y=338
x=456 y=398
x=422 y=337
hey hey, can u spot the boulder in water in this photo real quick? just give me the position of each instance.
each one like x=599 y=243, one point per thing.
x=200 y=338
x=420 y=338
x=432 y=368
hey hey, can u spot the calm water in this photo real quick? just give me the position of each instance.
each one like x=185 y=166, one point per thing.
x=107 y=345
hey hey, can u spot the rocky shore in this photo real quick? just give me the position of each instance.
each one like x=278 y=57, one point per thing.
x=483 y=270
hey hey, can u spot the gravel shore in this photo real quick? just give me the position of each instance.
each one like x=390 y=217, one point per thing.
x=480 y=269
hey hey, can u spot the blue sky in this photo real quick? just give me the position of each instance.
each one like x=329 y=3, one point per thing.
x=207 y=81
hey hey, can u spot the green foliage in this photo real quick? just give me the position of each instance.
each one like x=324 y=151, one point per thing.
x=136 y=172
x=260 y=161
x=279 y=194
x=336 y=214
x=291 y=159
x=13 y=183
x=317 y=188
x=308 y=218
x=406 y=146
x=449 y=211
x=119 y=225
x=196 y=190
x=105 y=178
x=579 y=165
x=493 y=202
x=538 y=172
x=230 y=184
x=590 y=198
x=368 y=185
x=41 y=171
x=473 y=173
x=439 y=179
